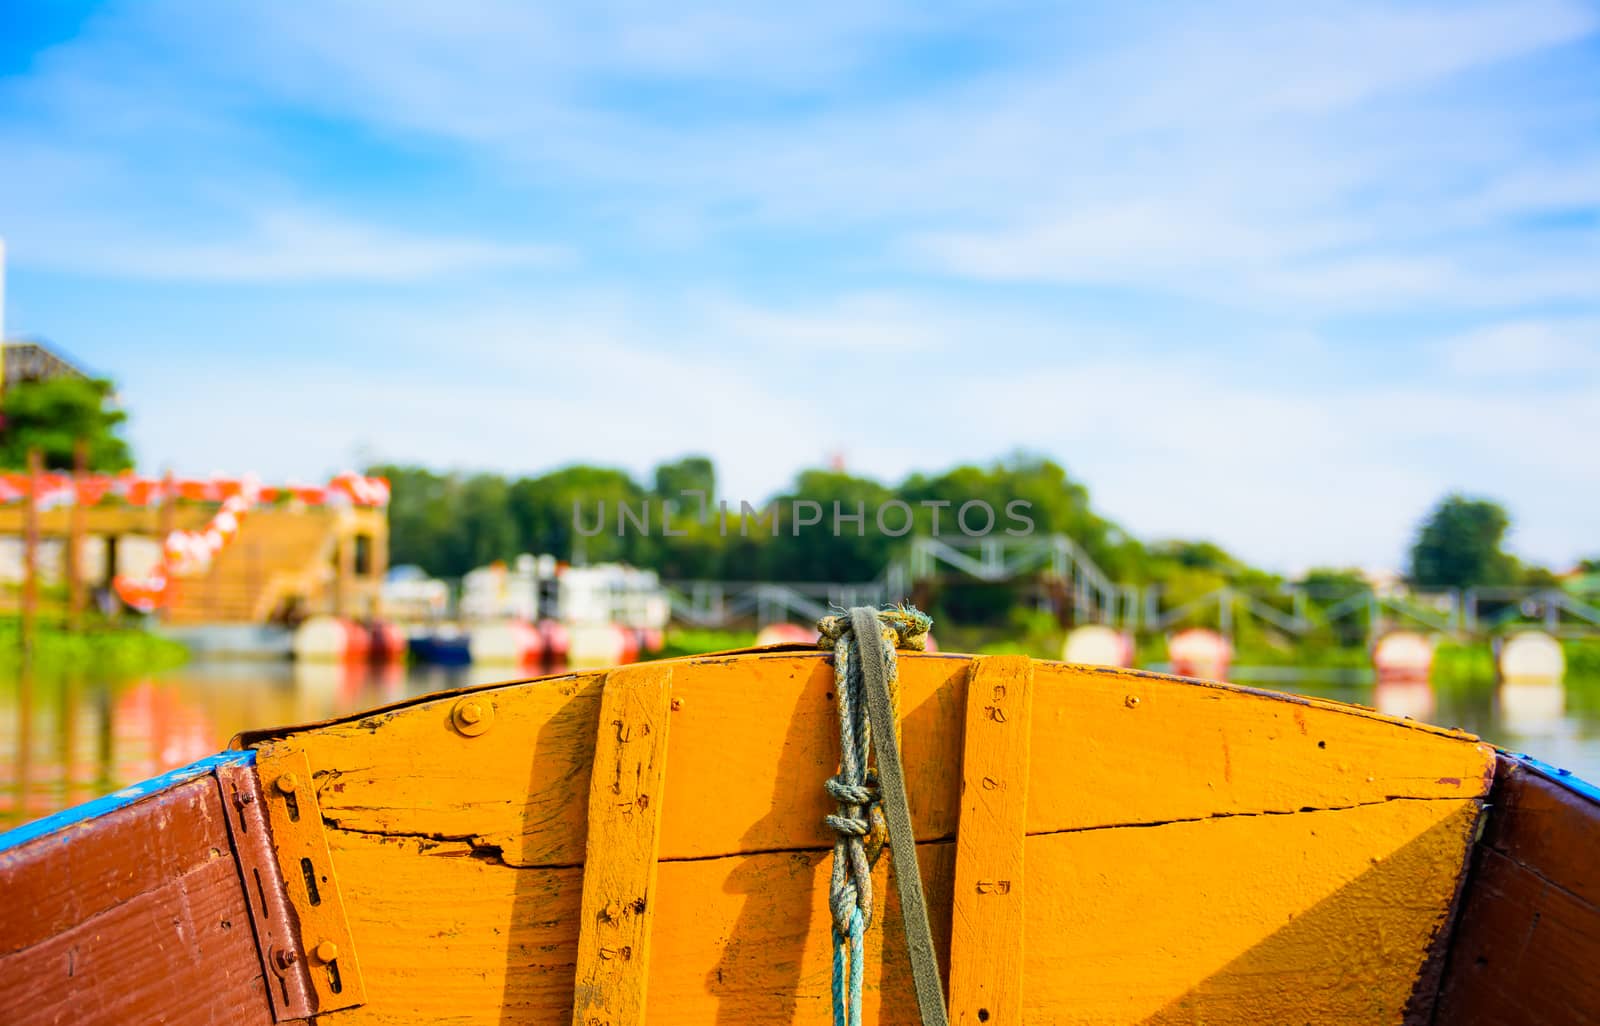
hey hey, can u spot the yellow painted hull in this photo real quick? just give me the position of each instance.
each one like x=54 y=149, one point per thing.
x=647 y=845
x=1194 y=852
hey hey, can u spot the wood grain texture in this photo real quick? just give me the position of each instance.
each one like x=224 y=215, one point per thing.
x=1315 y=917
x=987 y=912
x=1528 y=942
x=619 y=869
x=766 y=721
x=140 y=918
x=82 y=872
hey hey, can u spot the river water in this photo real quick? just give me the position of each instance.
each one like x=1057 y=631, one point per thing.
x=66 y=740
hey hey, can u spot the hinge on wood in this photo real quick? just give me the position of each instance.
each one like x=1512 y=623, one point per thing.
x=300 y=846
x=277 y=938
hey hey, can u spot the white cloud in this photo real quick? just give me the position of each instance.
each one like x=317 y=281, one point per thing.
x=1274 y=168
x=1527 y=347
x=279 y=246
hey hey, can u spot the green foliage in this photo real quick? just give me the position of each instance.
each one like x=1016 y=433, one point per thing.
x=696 y=642
x=52 y=415
x=1462 y=664
x=96 y=651
x=1583 y=659
x=1459 y=545
x=689 y=474
x=449 y=523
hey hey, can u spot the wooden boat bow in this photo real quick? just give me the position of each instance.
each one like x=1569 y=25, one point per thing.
x=1134 y=848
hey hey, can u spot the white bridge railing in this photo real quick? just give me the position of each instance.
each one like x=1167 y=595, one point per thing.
x=1093 y=597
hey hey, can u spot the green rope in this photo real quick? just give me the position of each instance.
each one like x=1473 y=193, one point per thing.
x=865 y=676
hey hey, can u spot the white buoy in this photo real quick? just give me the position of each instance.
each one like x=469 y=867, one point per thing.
x=1199 y=652
x=1097 y=645
x=786 y=634
x=321 y=639
x=1532 y=656
x=1402 y=655
x=595 y=644
x=504 y=643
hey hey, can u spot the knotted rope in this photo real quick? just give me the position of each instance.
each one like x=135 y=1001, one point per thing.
x=859 y=820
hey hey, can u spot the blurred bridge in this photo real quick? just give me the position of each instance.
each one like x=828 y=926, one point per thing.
x=1075 y=588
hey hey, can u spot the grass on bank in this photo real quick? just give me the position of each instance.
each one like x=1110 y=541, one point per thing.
x=99 y=648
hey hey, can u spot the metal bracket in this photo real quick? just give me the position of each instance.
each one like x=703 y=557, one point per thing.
x=277 y=938
x=300 y=845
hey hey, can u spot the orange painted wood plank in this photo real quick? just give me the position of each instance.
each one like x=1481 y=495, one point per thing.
x=1212 y=748
x=1313 y=917
x=299 y=841
x=986 y=927
x=624 y=837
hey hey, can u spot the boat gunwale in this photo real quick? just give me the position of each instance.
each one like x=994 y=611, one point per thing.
x=1563 y=778
x=132 y=794
x=252 y=738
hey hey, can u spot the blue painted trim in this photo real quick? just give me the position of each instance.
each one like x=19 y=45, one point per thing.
x=127 y=796
x=1566 y=778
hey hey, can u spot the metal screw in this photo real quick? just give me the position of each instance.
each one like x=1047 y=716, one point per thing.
x=286 y=959
x=327 y=951
x=245 y=797
x=677 y=703
x=288 y=783
x=1131 y=701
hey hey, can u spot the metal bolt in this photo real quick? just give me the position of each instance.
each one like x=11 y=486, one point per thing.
x=326 y=951
x=1131 y=701
x=472 y=716
x=286 y=958
x=245 y=798
x=677 y=703
x=288 y=783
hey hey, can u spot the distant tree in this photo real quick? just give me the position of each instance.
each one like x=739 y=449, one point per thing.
x=1458 y=546
x=556 y=512
x=1533 y=576
x=1589 y=566
x=689 y=474
x=52 y=415
x=1330 y=584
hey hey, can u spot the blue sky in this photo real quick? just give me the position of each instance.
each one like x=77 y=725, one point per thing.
x=1277 y=275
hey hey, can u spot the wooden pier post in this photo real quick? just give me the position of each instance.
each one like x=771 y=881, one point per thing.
x=30 y=556
x=74 y=554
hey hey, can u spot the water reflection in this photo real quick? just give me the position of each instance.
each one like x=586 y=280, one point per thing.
x=1534 y=708
x=66 y=739
x=1405 y=697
